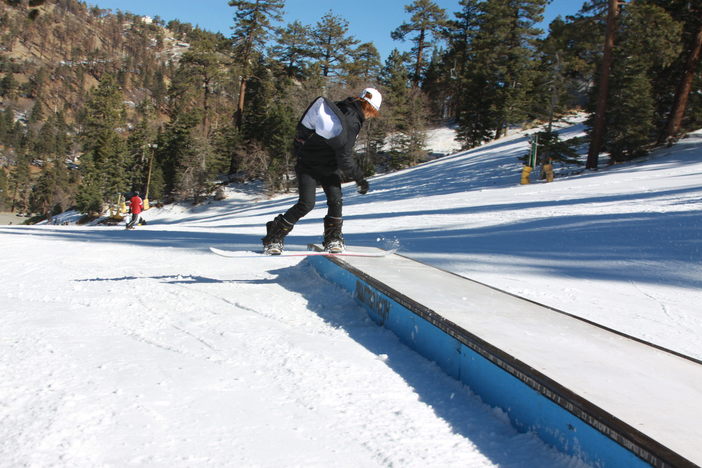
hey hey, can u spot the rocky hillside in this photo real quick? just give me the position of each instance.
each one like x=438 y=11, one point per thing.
x=54 y=54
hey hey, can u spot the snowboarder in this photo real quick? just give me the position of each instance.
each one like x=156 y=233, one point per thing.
x=324 y=142
x=136 y=206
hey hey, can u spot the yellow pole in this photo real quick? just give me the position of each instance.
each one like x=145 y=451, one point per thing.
x=148 y=177
x=548 y=169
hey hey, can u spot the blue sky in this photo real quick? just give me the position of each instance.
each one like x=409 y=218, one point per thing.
x=369 y=20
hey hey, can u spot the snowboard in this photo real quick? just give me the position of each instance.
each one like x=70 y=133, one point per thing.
x=299 y=253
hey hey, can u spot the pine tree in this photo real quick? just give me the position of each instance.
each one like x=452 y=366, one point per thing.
x=269 y=128
x=4 y=191
x=293 y=48
x=444 y=81
x=552 y=149
x=567 y=64
x=62 y=139
x=19 y=184
x=32 y=8
x=158 y=91
x=475 y=110
x=331 y=44
x=35 y=87
x=426 y=21
x=461 y=33
x=252 y=27
x=496 y=86
x=204 y=68
x=9 y=86
x=37 y=113
x=631 y=109
x=51 y=194
x=439 y=86
x=364 y=64
x=178 y=157
x=89 y=197
x=684 y=71
x=7 y=126
x=46 y=146
x=199 y=91
x=281 y=122
x=405 y=115
x=103 y=164
x=140 y=149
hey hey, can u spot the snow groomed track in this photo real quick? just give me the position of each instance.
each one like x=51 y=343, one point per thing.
x=590 y=392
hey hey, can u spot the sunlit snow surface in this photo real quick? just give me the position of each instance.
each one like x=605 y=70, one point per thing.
x=141 y=348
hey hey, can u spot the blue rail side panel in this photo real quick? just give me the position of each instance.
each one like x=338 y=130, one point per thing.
x=528 y=409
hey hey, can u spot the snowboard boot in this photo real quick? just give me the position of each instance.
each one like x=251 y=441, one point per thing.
x=333 y=240
x=276 y=231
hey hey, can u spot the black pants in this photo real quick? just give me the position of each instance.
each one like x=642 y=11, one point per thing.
x=134 y=220
x=307 y=186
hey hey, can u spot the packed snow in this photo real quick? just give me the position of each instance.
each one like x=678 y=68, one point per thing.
x=141 y=348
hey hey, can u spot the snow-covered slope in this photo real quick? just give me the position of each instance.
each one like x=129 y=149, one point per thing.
x=621 y=246
x=142 y=348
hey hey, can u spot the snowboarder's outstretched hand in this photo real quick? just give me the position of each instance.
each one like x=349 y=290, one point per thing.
x=362 y=186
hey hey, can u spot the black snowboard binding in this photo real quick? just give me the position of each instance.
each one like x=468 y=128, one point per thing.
x=333 y=239
x=276 y=231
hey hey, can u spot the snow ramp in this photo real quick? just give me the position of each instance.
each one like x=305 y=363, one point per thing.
x=607 y=398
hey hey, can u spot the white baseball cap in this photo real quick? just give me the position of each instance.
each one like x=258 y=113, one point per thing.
x=373 y=97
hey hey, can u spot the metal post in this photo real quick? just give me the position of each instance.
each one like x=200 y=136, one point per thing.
x=534 y=151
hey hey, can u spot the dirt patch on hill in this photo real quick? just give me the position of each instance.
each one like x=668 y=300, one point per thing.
x=11 y=218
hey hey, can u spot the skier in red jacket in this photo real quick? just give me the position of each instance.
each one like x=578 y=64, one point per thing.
x=136 y=206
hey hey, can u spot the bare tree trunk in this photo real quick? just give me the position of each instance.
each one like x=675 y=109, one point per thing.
x=682 y=93
x=605 y=67
x=420 y=54
x=246 y=56
x=240 y=105
x=206 y=108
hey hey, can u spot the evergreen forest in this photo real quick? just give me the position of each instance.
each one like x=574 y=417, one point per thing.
x=96 y=104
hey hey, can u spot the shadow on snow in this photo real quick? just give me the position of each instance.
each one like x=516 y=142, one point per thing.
x=450 y=400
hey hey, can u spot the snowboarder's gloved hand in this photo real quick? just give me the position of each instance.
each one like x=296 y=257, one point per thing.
x=362 y=186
